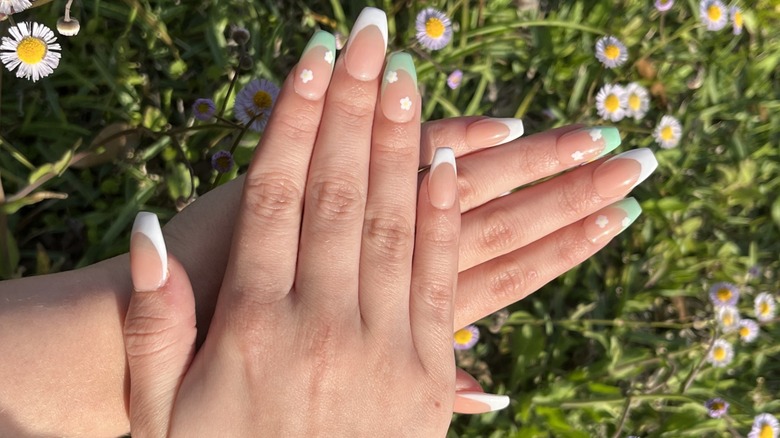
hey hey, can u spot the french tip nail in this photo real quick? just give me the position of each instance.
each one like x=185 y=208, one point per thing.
x=646 y=160
x=367 y=17
x=443 y=155
x=493 y=401
x=516 y=128
x=148 y=225
x=631 y=207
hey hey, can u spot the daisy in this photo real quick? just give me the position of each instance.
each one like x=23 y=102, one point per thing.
x=611 y=102
x=466 y=337
x=434 y=29
x=32 y=49
x=454 y=79
x=764 y=426
x=764 y=305
x=748 y=330
x=611 y=52
x=204 y=109
x=724 y=294
x=736 y=20
x=664 y=5
x=255 y=102
x=728 y=318
x=8 y=7
x=721 y=353
x=716 y=407
x=713 y=14
x=222 y=162
x=638 y=101
x=668 y=132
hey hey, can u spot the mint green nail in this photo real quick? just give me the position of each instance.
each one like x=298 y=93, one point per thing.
x=611 y=139
x=632 y=209
x=325 y=39
x=399 y=61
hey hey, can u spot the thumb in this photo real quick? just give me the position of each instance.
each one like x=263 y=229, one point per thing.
x=159 y=330
x=471 y=399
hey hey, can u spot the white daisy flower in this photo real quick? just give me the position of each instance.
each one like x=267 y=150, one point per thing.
x=714 y=14
x=721 y=353
x=611 y=51
x=668 y=132
x=31 y=48
x=737 y=20
x=255 y=102
x=748 y=330
x=765 y=426
x=611 y=102
x=8 y=7
x=728 y=318
x=764 y=305
x=638 y=101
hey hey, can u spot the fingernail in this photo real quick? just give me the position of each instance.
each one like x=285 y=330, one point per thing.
x=610 y=221
x=148 y=257
x=623 y=172
x=586 y=144
x=493 y=132
x=365 y=51
x=312 y=75
x=399 y=88
x=479 y=402
x=443 y=179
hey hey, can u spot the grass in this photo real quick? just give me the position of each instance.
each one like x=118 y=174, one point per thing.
x=614 y=347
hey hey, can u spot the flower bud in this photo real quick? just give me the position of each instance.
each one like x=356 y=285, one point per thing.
x=68 y=27
x=240 y=35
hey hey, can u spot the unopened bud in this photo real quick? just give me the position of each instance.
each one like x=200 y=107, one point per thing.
x=246 y=62
x=240 y=35
x=68 y=27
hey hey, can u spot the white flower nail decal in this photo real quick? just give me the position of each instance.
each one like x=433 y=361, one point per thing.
x=329 y=56
x=306 y=75
x=577 y=156
x=391 y=77
x=595 y=134
x=406 y=103
x=602 y=221
x=626 y=222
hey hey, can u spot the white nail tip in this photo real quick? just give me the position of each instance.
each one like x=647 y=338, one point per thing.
x=444 y=155
x=368 y=17
x=644 y=157
x=147 y=224
x=516 y=129
x=495 y=402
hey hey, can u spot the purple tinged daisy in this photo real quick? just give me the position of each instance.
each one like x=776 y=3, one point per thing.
x=611 y=52
x=728 y=318
x=255 y=102
x=466 y=337
x=765 y=426
x=454 y=79
x=713 y=14
x=434 y=29
x=222 y=162
x=737 y=21
x=204 y=109
x=716 y=407
x=721 y=354
x=748 y=330
x=764 y=306
x=664 y=5
x=8 y=7
x=724 y=294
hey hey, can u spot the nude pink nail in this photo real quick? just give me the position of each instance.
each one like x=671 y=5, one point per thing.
x=365 y=51
x=443 y=179
x=314 y=70
x=479 y=402
x=621 y=173
x=610 y=221
x=148 y=256
x=493 y=132
x=399 y=88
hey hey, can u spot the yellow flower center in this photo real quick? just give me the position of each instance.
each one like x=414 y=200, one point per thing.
x=763 y=308
x=714 y=12
x=612 y=103
x=262 y=100
x=728 y=320
x=203 y=108
x=31 y=50
x=612 y=51
x=667 y=134
x=634 y=102
x=723 y=294
x=716 y=406
x=738 y=19
x=719 y=353
x=463 y=336
x=766 y=432
x=744 y=332
x=434 y=28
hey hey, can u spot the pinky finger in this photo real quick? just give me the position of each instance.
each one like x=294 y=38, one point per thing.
x=435 y=264
x=471 y=399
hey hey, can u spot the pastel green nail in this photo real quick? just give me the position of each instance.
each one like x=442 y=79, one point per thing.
x=399 y=61
x=611 y=138
x=398 y=98
x=325 y=39
x=632 y=209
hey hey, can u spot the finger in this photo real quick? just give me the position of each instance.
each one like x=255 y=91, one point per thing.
x=388 y=229
x=512 y=221
x=471 y=399
x=159 y=328
x=338 y=176
x=496 y=284
x=269 y=216
x=466 y=135
x=435 y=265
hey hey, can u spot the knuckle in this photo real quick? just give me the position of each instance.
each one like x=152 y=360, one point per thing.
x=510 y=282
x=571 y=248
x=354 y=110
x=437 y=297
x=395 y=148
x=271 y=195
x=467 y=192
x=296 y=127
x=574 y=198
x=148 y=335
x=499 y=233
x=337 y=199
x=391 y=234
x=442 y=233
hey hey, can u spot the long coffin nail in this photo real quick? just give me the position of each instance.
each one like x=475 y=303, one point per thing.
x=586 y=144
x=623 y=172
x=493 y=132
x=365 y=51
x=148 y=256
x=315 y=68
x=399 y=88
x=610 y=221
x=443 y=179
x=479 y=402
